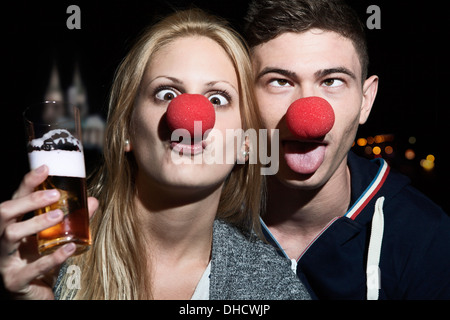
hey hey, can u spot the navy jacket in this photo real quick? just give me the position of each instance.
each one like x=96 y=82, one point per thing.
x=414 y=261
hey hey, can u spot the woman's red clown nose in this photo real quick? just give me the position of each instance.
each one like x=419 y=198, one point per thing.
x=310 y=118
x=186 y=109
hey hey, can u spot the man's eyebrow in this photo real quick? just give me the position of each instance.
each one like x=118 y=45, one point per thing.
x=317 y=74
x=284 y=72
x=325 y=72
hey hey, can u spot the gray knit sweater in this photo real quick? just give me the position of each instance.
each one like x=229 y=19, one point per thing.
x=245 y=268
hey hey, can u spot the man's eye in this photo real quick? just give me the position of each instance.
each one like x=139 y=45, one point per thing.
x=218 y=100
x=166 y=94
x=279 y=83
x=332 y=83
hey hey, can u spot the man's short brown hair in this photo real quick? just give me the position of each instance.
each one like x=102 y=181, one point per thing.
x=267 y=19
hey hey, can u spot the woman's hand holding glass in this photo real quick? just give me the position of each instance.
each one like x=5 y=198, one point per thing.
x=25 y=273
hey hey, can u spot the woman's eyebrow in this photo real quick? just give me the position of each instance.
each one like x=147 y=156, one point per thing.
x=174 y=80
x=213 y=83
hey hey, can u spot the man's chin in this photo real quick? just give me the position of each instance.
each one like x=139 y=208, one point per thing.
x=296 y=180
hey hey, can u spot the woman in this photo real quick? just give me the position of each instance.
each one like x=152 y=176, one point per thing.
x=165 y=230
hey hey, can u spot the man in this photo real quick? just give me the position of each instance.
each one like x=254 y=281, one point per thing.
x=356 y=229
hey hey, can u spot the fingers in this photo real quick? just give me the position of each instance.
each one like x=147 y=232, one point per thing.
x=13 y=209
x=19 y=269
x=14 y=232
x=31 y=180
x=46 y=263
x=18 y=280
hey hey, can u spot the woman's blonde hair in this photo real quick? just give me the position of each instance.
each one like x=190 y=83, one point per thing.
x=116 y=266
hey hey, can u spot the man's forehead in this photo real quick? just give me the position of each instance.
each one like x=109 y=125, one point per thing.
x=310 y=50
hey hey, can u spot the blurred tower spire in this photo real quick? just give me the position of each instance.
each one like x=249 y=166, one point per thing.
x=76 y=94
x=54 y=91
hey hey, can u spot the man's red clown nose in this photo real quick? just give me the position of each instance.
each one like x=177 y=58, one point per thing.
x=184 y=110
x=310 y=118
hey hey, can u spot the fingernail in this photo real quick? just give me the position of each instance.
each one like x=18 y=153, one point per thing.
x=52 y=194
x=40 y=169
x=54 y=214
x=69 y=248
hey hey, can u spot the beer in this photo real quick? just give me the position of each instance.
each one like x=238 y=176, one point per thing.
x=54 y=142
x=73 y=204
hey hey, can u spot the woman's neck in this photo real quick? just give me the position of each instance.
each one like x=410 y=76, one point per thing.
x=177 y=223
x=178 y=226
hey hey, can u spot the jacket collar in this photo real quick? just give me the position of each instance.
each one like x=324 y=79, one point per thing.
x=368 y=183
x=367 y=178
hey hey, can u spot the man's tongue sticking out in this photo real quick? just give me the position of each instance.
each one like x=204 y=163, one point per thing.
x=302 y=157
x=309 y=120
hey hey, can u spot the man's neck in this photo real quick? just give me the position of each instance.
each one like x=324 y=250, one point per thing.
x=296 y=216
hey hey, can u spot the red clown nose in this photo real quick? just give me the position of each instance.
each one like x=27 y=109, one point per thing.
x=184 y=110
x=310 y=118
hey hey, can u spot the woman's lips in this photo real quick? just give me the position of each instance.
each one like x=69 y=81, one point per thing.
x=188 y=149
x=304 y=157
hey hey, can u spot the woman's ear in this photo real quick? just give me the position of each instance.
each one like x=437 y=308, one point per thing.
x=128 y=147
x=370 y=89
x=244 y=152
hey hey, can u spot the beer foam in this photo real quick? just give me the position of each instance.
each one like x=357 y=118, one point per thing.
x=61 y=152
x=60 y=162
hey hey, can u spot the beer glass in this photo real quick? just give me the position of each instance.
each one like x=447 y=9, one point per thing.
x=54 y=139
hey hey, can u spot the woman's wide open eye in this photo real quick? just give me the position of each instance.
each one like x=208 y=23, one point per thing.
x=166 y=94
x=219 y=99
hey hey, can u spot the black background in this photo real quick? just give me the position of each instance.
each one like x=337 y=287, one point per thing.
x=409 y=54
